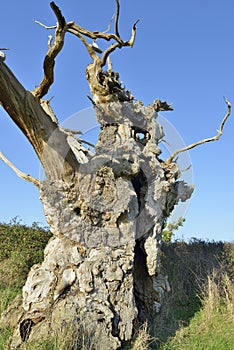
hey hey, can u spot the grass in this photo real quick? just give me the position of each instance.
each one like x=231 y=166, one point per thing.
x=213 y=326
x=197 y=313
x=5 y=334
x=188 y=266
x=7 y=294
x=143 y=340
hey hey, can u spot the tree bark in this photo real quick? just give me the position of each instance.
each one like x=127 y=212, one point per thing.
x=26 y=111
x=101 y=270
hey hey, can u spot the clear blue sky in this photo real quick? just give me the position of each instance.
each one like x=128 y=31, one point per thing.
x=184 y=53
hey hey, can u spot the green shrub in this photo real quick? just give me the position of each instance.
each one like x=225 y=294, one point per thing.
x=170 y=228
x=20 y=247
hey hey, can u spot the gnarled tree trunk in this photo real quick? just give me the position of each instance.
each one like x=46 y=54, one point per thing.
x=101 y=270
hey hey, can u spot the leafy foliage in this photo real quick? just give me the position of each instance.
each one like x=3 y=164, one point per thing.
x=168 y=231
x=20 y=248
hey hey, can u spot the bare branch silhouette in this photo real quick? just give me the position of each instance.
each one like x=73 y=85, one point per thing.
x=201 y=142
x=19 y=173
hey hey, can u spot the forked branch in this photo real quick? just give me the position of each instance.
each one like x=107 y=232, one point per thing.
x=82 y=33
x=119 y=43
x=201 y=142
x=19 y=173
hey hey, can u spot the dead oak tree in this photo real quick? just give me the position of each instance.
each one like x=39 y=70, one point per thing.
x=101 y=269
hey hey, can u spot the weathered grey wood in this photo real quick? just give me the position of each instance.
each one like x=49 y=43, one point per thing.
x=104 y=260
x=101 y=270
x=25 y=110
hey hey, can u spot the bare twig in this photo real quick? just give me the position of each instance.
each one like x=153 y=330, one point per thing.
x=109 y=25
x=43 y=25
x=90 y=99
x=18 y=172
x=186 y=169
x=201 y=142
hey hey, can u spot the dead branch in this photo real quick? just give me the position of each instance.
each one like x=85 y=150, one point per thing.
x=90 y=99
x=201 y=142
x=37 y=125
x=109 y=25
x=45 y=104
x=108 y=51
x=117 y=18
x=44 y=26
x=130 y=43
x=86 y=142
x=58 y=14
x=63 y=27
x=82 y=153
x=73 y=132
x=82 y=32
x=112 y=47
x=89 y=47
x=52 y=53
x=75 y=28
x=19 y=173
x=133 y=36
x=159 y=106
